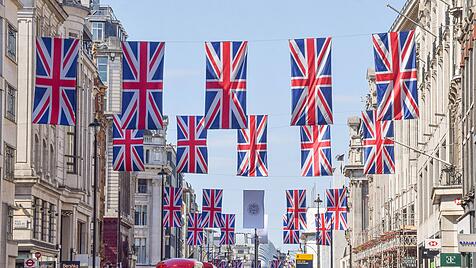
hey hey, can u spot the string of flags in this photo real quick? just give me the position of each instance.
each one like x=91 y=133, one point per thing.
x=225 y=101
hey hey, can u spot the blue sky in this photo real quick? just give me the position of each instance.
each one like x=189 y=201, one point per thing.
x=267 y=25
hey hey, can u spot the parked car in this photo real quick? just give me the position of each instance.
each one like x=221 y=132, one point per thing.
x=180 y=263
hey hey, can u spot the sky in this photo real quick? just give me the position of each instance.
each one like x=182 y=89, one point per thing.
x=267 y=25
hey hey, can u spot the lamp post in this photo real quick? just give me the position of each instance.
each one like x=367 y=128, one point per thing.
x=95 y=124
x=164 y=173
x=318 y=202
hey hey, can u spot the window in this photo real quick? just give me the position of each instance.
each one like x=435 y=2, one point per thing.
x=44 y=164
x=52 y=223
x=98 y=30
x=12 y=43
x=36 y=218
x=147 y=156
x=140 y=215
x=142 y=186
x=81 y=238
x=102 y=68
x=11 y=102
x=37 y=155
x=44 y=221
x=71 y=151
x=140 y=248
x=9 y=162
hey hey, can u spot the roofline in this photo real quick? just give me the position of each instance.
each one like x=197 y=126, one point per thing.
x=406 y=10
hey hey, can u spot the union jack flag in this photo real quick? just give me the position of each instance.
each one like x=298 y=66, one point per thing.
x=211 y=208
x=222 y=264
x=290 y=236
x=337 y=206
x=237 y=264
x=225 y=105
x=192 y=153
x=252 y=147
x=275 y=264
x=172 y=207
x=379 y=156
x=55 y=81
x=396 y=75
x=316 y=151
x=142 y=84
x=127 y=147
x=194 y=229
x=296 y=209
x=256 y=266
x=227 y=235
x=324 y=229
x=311 y=81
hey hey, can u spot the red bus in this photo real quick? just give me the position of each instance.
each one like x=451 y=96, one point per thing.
x=179 y=263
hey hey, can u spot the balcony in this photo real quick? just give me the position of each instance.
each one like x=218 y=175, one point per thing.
x=449 y=188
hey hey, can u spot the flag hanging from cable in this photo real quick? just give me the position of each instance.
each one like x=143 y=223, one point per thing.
x=192 y=153
x=211 y=208
x=396 y=75
x=127 y=147
x=172 y=207
x=194 y=229
x=324 y=228
x=296 y=209
x=227 y=234
x=337 y=206
x=316 y=158
x=225 y=97
x=253 y=209
x=252 y=147
x=290 y=236
x=55 y=81
x=142 y=84
x=311 y=81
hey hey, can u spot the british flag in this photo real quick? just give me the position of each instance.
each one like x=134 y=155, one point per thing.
x=275 y=263
x=127 y=147
x=211 y=208
x=252 y=147
x=396 y=75
x=290 y=236
x=316 y=151
x=55 y=81
x=311 y=81
x=324 y=229
x=172 y=207
x=237 y=264
x=296 y=209
x=222 y=264
x=379 y=156
x=227 y=235
x=225 y=98
x=194 y=229
x=192 y=153
x=337 y=206
x=142 y=84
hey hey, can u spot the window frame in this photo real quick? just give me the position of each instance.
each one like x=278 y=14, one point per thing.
x=95 y=30
x=10 y=92
x=8 y=174
x=105 y=64
x=11 y=28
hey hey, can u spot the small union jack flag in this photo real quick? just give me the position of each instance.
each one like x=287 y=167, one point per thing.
x=222 y=264
x=227 y=235
x=142 y=84
x=55 y=81
x=275 y=263
x=324 y=229
x=127 y=147
x=172 y=207
x=290 y=236
x=252 y=147
x=311 y=81
x=194 y=229
x=256 y=266
x=337 y=206
x=225 y=105
x=211 y=208
x=316 y=151
x=396 y=75
x=237 y=264
x=296 y=209
x=378 y=146
x=192 y=153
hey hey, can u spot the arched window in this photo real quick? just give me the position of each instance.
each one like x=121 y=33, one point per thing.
x=37 y=154
x=44 y=164
x=52 y=162
x=147 y=156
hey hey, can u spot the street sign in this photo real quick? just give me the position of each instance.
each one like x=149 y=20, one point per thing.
x=432 y=243
x=467 y=242
x=37 y=255
x=29 y=263
x=304 y=260
x=450 y=260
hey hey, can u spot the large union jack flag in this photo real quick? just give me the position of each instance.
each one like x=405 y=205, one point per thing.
x=227 y=235
x=379 y=156
x=225 y=98
x=311 y=81
x=252 y=147
x=172 y=207
x=127 y=147
x=55 y=81
x=211 y=208
x=296 y=209
x=337 y=206
x=192 y=153
x=194 y=229
x=396 y=75
x=316 y=159
x=324 y=228
x=290 y=236
x=142 y=84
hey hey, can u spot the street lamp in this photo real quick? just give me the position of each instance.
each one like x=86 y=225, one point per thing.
x=318 y=202
x=95 y=124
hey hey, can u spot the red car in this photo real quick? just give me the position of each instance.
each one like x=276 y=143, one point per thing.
x=180 y=263
x=208 y=265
